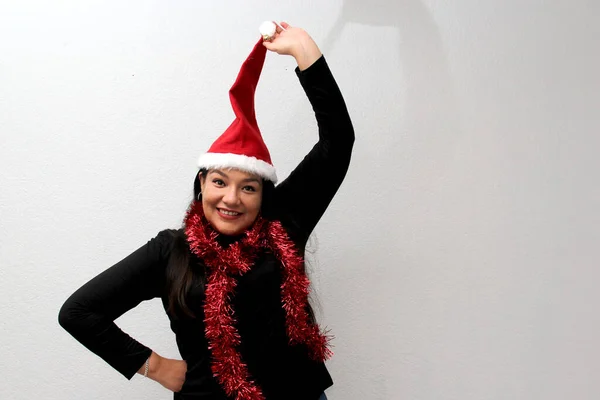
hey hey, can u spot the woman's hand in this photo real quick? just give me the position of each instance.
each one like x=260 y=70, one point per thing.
x=295 y=42
x=168 y=372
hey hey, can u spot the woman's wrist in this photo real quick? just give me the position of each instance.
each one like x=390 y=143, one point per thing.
x=151 y=367
x=154 y=366
x=307 y=53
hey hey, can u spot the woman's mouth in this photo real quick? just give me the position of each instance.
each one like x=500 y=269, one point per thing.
x=228 y=214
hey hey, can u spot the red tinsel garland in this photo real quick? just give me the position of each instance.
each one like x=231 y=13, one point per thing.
x=223 y=265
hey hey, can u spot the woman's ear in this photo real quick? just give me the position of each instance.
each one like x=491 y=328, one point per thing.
x=202 y=179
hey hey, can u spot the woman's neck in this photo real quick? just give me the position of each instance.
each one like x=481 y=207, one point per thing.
x=227 y=240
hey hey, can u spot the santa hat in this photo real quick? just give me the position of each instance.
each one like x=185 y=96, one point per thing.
x=241 y=146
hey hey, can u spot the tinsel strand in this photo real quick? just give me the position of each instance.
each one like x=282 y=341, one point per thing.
x=223 y=265
x=294 y=292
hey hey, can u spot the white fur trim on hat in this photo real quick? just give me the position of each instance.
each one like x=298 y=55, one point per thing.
x=238 y=161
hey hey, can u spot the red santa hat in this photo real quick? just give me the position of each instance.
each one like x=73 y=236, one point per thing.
x=241 y=146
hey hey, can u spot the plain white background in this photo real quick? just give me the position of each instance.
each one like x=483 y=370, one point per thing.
x=459 y=259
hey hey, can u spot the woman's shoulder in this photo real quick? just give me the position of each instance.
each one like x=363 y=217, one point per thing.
x=292 y=228
x=169 y=234
x=165 y=240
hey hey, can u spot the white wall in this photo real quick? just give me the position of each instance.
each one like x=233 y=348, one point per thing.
x=460 y=258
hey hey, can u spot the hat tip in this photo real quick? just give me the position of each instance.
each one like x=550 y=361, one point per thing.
x=267 y=29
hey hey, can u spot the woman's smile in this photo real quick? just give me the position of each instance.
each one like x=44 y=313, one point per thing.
x=228 y=214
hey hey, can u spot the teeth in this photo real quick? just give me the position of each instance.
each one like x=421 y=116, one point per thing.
x=229 y=213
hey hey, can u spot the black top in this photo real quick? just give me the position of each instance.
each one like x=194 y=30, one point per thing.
x=281 y=371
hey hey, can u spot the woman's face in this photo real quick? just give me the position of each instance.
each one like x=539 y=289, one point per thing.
x=231 y=199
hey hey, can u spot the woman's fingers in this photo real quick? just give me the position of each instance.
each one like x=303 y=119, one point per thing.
x=282 y=26
x=278 y=28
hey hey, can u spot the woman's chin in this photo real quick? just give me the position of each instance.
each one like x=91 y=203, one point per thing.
x=228 y=229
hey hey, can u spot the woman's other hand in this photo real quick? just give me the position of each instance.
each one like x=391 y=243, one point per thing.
x=168 y=372
x=295 y=42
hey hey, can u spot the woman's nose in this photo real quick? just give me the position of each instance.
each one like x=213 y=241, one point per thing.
x=231 y=197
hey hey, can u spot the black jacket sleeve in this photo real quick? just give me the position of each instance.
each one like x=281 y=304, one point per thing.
x=306 y=193
x=89 y=313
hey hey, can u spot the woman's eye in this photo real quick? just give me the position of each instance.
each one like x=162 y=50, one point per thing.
x=249 y=188
x=218 y=182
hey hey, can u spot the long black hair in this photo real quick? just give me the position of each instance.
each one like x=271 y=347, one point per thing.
x=186 y=271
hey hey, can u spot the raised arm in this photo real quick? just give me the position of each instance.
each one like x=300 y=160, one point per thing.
x=309 y=189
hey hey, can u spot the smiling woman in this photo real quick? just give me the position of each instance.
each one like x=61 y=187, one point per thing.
x=231 y=200
x=232 y=279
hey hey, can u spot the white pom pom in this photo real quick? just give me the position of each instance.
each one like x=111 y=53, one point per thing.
x=267 y=29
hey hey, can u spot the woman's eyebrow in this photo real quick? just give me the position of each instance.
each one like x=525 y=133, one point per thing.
x=218 y=171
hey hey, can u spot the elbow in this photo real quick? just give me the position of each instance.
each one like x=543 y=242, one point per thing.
x=64 y=316
x=350 y=139
x=68 y=316
x=349 y=136
x=345 y=140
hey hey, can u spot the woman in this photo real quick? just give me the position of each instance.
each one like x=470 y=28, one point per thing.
x=232 y=280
